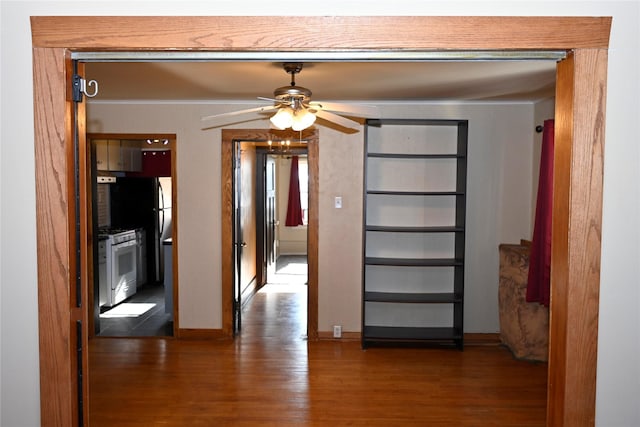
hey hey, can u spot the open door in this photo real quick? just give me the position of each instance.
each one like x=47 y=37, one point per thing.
x=80 y=237
x=239 y=243
x=266 y=219
x=270 y=216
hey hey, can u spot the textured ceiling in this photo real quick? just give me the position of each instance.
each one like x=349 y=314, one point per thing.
x=529 y=80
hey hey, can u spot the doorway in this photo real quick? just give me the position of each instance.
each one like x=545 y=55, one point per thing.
x=132 y=210
x=284 y=234
x=580 y=135
x=270 y=199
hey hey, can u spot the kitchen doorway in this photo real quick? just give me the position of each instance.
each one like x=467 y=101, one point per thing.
x=133 y=210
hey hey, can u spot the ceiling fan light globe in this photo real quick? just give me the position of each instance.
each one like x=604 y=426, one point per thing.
x=302 y=120
x=283 y=118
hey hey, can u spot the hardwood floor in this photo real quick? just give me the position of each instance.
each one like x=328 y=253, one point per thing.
x=271 y=376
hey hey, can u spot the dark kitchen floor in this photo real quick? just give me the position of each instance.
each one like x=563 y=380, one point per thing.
x=141 y=315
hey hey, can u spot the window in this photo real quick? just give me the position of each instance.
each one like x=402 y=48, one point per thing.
x=303 y=180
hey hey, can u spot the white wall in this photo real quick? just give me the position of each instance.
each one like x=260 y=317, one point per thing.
x=618 y=386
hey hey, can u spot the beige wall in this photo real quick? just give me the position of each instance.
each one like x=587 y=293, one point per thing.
x=499 y=202
x=340 y=233
x=498 y=193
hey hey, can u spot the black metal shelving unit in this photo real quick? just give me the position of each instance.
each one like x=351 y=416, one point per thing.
x=392 y=312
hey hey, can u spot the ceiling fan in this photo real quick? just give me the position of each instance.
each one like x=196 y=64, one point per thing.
x=295 y=109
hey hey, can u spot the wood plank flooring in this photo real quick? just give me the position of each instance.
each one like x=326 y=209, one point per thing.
x=271 y=376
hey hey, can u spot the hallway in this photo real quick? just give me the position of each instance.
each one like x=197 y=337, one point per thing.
x=279 y=309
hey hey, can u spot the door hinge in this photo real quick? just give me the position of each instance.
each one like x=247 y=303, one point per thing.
x=80 y=87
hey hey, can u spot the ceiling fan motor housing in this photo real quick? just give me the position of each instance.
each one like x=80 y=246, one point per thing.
x=291 y=93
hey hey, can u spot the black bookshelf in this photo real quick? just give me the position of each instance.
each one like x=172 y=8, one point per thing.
x=424 y=294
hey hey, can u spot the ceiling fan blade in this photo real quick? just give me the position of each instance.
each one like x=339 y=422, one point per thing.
x=263 y=98
x=342 y=121
x=368 y=111
x=235 y=113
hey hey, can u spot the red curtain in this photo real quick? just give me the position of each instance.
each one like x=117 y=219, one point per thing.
x=538 y=286
x=294 y=209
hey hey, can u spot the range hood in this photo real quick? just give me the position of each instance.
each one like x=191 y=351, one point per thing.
x=106 y=177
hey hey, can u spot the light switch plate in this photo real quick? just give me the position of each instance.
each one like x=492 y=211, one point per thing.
x=338 y=202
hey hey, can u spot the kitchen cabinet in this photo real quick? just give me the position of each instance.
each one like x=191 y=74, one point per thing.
x=118 y=155
x=130 y=155
x=414 y=231
x=102 y=154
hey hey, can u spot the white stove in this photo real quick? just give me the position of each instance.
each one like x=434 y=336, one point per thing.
x=118 y=265
x=116 y=235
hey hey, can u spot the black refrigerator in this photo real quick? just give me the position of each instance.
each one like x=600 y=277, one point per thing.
x=144 y=203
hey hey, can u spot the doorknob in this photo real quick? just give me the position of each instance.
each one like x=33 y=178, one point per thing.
x=242 y=245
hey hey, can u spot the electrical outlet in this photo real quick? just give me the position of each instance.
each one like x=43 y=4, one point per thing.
x=337 y=331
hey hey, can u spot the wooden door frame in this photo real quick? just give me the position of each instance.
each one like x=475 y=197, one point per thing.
x=228 y=137
x=580 y=122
